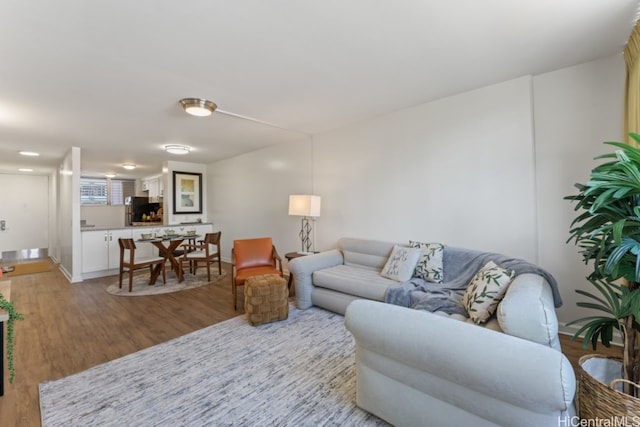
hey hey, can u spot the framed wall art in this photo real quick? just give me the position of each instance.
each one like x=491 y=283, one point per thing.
x=187 y=192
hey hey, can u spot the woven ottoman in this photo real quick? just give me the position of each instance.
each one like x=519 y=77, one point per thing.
x=266 y=299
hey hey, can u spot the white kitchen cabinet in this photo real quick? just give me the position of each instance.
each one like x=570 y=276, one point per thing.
x=95 y=251
x=114 y=247
x=100 y=249
x=153 y=186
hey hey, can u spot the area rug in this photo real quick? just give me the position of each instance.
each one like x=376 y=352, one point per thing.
x=27 y=268
x=297 y=372
x=141 y=282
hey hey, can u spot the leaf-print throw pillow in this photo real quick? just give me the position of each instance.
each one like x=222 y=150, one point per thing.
x=429 y=265
x=401 y=263
x=485 y=291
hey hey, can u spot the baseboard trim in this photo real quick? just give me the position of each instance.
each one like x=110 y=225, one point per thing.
x=571 y=330
x=23 y=254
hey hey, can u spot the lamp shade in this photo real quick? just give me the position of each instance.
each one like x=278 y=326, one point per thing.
x=304 y=205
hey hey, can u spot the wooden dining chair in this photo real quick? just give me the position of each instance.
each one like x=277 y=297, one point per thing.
x=206 y=252
x=129 y=262
x=252 y=257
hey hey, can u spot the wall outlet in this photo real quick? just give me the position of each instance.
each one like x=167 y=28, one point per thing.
x=3 y=225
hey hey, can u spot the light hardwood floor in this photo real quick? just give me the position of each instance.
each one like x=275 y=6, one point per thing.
x=71 y=327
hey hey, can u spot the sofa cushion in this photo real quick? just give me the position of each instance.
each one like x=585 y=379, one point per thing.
x=492 y=323
x=485 y=291
x=429 y=267
x=401 y=263
x=365 y=253
x=361 y=282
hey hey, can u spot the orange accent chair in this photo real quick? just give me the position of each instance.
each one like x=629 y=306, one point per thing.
x=132 y=263
x=204 y=252
x=252 y=257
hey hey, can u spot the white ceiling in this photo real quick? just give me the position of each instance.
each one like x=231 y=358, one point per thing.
x=106 y=75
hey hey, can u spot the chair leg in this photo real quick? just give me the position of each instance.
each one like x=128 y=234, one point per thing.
x=120 y=278
x=130 y=279
x=219 y=267
x=234 y=291
x=208 y=271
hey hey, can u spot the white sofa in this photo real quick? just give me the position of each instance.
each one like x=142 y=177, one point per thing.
x=417 y=368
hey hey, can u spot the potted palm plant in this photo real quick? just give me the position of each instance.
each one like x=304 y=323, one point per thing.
x=607 y=231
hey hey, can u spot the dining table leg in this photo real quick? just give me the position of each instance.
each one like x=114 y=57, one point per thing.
x=167 y=253
x=155 y=273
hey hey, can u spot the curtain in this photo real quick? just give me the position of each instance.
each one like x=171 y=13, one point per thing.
x=632 y=89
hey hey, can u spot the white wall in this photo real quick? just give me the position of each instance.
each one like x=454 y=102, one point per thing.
x=434 y=172
x=24 y=205
x=458 y=171
x=54 y=249
x=486 y=169
x=576 y=109
x=249 y=194
x=69 y=237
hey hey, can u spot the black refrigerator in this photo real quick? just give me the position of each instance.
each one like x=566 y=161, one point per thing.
x=134 y=207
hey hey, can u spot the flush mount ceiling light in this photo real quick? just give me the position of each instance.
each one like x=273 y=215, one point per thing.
x=29 y=153
x=177 y=149
x=198 y=106
x=129 y=166
x=25 y=170
x=110 y=175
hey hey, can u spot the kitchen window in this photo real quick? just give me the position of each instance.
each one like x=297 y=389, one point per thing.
x=105 y=191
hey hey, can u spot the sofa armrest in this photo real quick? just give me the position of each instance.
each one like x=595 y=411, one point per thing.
x=302 y=269
x=527 y=311
x=522 y=373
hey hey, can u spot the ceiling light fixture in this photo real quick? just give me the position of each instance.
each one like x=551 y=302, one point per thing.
x=129 y=166
x=198 y=106
x=110 y=175
x=29 y=153
x=25 y=170
x=177 y=149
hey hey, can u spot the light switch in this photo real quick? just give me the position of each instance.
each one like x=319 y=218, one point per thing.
x=3 y=225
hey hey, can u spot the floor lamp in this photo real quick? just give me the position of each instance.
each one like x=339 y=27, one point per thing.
x=306 y=206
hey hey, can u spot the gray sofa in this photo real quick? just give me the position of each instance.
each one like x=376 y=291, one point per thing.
x=420 y=368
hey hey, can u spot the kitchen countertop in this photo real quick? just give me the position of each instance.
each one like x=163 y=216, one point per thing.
x=145 y=224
